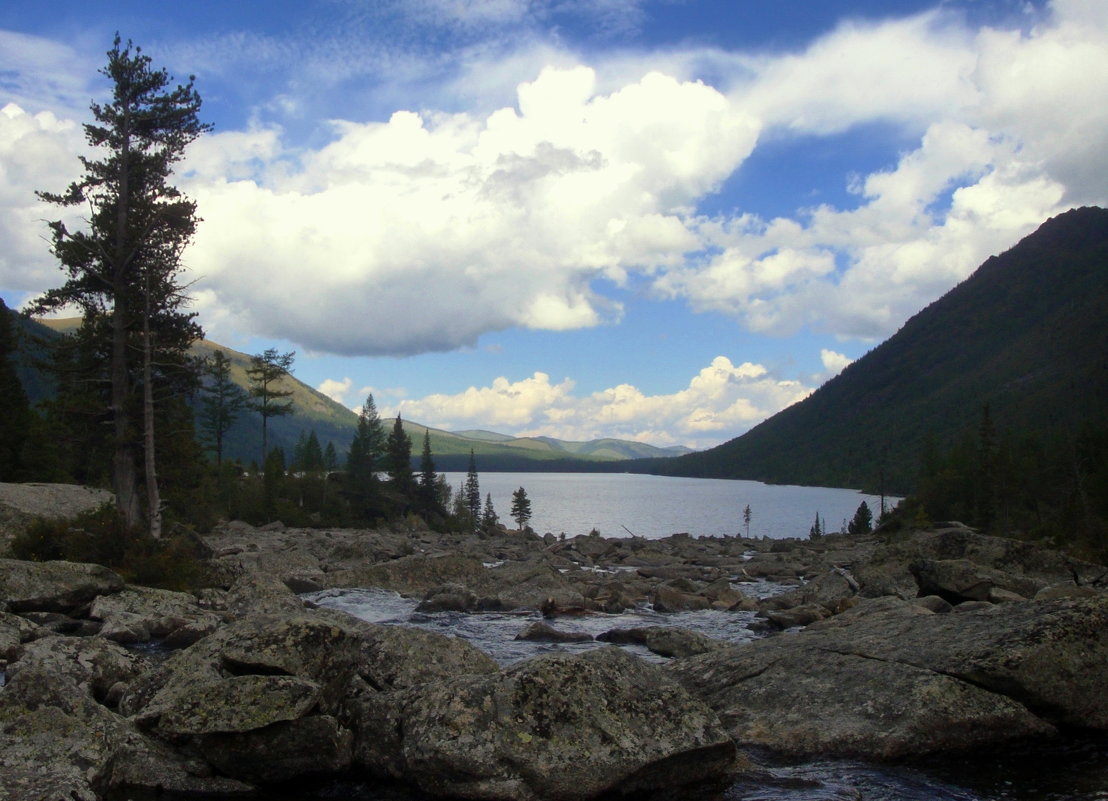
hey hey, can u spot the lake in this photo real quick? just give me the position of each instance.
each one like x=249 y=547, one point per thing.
x=619 y=504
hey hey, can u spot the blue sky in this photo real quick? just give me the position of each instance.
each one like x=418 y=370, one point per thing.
x=661 y=220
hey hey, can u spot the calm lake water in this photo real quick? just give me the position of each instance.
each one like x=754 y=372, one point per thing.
x=657 y=506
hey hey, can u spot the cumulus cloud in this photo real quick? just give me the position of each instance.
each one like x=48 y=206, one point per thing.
x=423 y=232
x=36 y=153
x=426 y=230
x=721 y=401
x=1010 y=133
x=336 y=390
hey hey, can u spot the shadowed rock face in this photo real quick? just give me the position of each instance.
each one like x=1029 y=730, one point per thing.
x=903 y=681
x=53 y=586
x=555 y=727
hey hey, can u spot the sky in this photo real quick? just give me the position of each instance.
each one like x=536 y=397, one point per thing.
x=659 y=220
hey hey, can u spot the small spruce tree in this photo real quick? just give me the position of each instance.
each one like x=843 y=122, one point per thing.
x=521 y=508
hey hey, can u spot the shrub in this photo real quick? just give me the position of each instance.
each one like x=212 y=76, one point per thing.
x=101 y=537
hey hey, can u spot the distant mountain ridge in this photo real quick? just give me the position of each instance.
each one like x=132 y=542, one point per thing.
x=1026 y=333
x=335 y=423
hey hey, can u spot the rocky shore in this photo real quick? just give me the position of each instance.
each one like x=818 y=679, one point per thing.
x=885 y=646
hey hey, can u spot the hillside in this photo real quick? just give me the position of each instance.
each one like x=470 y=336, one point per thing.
x=1027 y=333
x=333 y=422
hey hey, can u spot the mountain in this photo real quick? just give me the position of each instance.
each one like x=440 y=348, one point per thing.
x=332 y=422
x=1027 y=334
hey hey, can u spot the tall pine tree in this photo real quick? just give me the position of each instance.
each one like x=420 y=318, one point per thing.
x=364 y=460
x=123 y=267
x=265 y=373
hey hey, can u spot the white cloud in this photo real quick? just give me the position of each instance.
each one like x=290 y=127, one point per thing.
x=432 y=228
x=1010 y=133
x=833 y=363
x=424 y=232
x=36 y=153
x=721 y=401
x=336 y=390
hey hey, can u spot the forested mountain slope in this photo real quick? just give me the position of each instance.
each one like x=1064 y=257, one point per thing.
x=334 y=423
x=1027 y=334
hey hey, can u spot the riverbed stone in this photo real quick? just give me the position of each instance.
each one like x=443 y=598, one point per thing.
x=897 y=682
x=555 y=727
x=668 y=641
x=539 y=631
x=57 y=586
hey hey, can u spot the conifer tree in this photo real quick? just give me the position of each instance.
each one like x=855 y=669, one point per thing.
x=265 y=372
x=398 y=459
x=862 y=523
x=222 y=402
x=521 y=508
x=816 y=531
x=428 y=480
x=489 y=518
x=15 y=412
x=471 y=490
x=123 y=267
x=364 y=459
x=746 y=520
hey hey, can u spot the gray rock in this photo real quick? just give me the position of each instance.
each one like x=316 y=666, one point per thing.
x=283 y=751
x=557 y=727
x=261 y=593
x=797 y=616
x=888 y=571
x=53 y=586
x=958 y=580
x=668 y=641
x=900 y=682
x=49 y=719
x=832 y=590
x=139 y=614
x=668 y=599
x=449 y=598
x=539 y=631
x=90 y=664
x=269 y=668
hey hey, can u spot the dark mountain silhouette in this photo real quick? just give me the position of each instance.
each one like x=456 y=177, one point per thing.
x=1027 y=334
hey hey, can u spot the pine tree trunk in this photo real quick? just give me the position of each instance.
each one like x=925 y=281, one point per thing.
x=124 y=478
x=153 y=499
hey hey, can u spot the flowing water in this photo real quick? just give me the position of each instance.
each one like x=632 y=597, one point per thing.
x=1066 y=769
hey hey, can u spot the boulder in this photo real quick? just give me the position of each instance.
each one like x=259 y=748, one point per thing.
x=832 y=590
x=544 y=632
x=796 y=616
x=529 y=585
x=556 y=727
x=907 y=681
x=139 y=614
x=668 y=599
x=889 y=571
x=668 y=641
x=265 y=669
x=958 y=580
x=449 y=598
x=92 y=665
x=412 y=576
x=53 y=586
x=22 y=504
x=48 y=717
x=283 y=751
